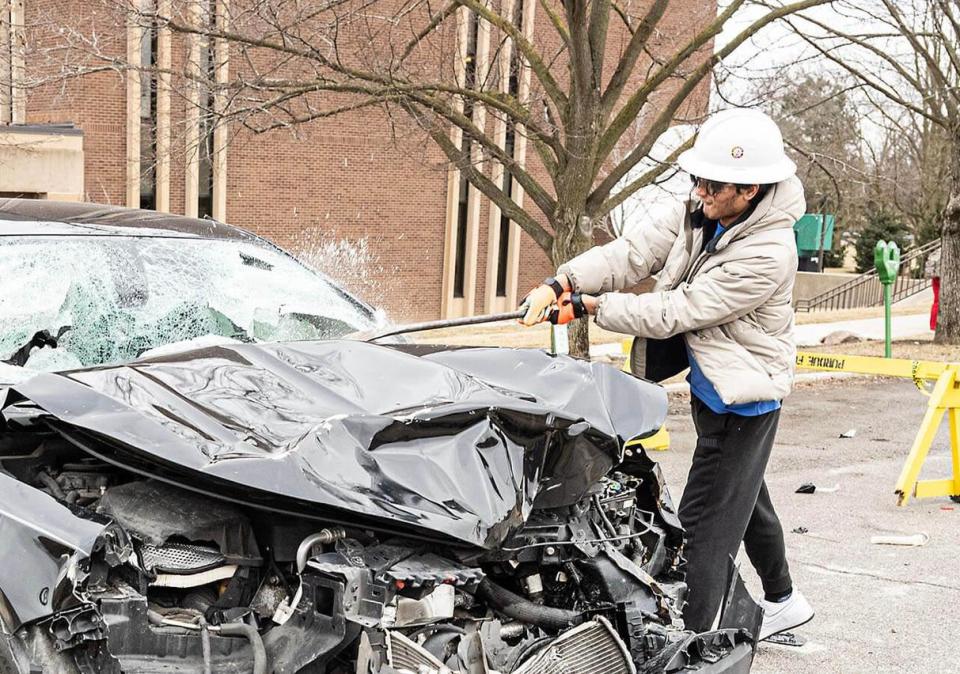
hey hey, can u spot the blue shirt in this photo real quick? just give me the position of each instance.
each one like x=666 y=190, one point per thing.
x=701 y=387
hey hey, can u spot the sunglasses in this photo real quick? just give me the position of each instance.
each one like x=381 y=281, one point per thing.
x=711 y=187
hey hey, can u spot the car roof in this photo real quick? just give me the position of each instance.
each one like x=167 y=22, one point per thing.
x=33 y=217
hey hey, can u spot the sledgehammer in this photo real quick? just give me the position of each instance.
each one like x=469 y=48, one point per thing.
x=448 y=323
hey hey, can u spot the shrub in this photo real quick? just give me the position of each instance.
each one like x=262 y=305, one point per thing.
x=881 y=225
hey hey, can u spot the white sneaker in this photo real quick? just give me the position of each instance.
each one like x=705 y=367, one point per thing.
x=782 y=616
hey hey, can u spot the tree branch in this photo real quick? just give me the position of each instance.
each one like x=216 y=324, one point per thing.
x=597 y=38
x=550 y=86
x=880 y=87
x=507 y=205
x=557 y=23
x=948 y=91
x=444 y=14
x=666 y=115
x=632 y=107
x=636 y=46
x=581 y=67
x=642 y=181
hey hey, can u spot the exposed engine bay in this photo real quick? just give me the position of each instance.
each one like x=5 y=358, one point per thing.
x=116 y=558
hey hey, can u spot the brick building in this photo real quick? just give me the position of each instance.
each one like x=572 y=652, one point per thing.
x=388 y=218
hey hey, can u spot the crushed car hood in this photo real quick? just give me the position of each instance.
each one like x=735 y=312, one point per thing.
x=455 y=443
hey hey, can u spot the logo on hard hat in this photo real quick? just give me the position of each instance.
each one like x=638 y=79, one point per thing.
x=736 y=152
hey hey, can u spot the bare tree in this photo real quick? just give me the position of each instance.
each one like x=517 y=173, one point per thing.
x=862 y=155
x=821 y=128
x=605 y=81
x=908 y=55
x=910 y=166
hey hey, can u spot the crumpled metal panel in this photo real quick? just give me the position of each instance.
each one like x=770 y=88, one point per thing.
x=43 y=540
x=457 y=443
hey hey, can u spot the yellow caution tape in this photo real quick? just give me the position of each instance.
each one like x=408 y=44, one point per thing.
x=919 y=371
x=944 y=402
x=885 y=367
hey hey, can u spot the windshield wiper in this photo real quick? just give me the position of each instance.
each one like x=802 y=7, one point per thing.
x=252 y=261
x=39 y=340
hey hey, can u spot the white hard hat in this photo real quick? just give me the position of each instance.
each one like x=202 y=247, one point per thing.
x=740 y=145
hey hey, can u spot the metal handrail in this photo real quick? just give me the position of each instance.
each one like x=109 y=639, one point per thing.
x=859 y=292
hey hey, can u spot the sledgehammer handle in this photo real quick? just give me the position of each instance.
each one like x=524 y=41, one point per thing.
x=448 y=323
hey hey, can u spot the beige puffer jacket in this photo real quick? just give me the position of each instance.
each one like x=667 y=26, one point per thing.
x=732 y=304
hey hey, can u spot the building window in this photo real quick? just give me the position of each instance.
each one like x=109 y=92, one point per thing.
x=503 y=252
x=23 y=195
x=503 y=234
x=221 y=67
x=208 y=75
x=148 y=111
x=463 y=204
x=509 y=147
x=463 y=213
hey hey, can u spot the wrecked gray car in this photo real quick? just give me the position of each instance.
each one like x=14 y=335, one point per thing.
x=204 y=469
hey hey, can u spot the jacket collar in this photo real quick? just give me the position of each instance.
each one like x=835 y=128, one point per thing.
x=780 y=208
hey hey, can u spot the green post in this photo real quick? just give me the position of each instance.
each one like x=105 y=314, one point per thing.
x=886 y=258
x=887 y=321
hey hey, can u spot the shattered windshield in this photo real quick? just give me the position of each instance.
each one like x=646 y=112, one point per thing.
x=110 y=299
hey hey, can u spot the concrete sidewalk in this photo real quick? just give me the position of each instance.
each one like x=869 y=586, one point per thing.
x=868 y=328
x=811 y=333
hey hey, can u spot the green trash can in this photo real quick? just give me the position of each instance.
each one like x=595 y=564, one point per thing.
x=807 y=231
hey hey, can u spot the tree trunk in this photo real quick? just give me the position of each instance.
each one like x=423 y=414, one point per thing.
x=571 y=240
x=948 y=319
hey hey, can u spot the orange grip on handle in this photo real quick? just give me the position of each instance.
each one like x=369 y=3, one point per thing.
x=564 y=313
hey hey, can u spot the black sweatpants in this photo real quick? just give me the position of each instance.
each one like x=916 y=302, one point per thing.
x=725 y=502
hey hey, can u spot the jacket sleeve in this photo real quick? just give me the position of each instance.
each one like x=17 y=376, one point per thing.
x=632 y=257
x=715 y=297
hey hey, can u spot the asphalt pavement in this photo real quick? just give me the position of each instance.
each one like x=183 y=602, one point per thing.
x=880 y=608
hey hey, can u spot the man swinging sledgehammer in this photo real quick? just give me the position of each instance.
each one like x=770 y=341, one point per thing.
x=726 y=261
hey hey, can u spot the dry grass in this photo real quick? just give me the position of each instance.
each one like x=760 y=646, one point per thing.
x=804 y=318
x=506 y=334
x=918 y=348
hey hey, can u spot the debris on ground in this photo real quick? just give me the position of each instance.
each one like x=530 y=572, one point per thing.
x=852 y=433
x=786 y=639
x=840 y=337
x=800 y=530
x=911 y=540
x=810 y=488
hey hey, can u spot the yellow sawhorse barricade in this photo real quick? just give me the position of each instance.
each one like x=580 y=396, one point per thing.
x=944 y=400
x=659 y=441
